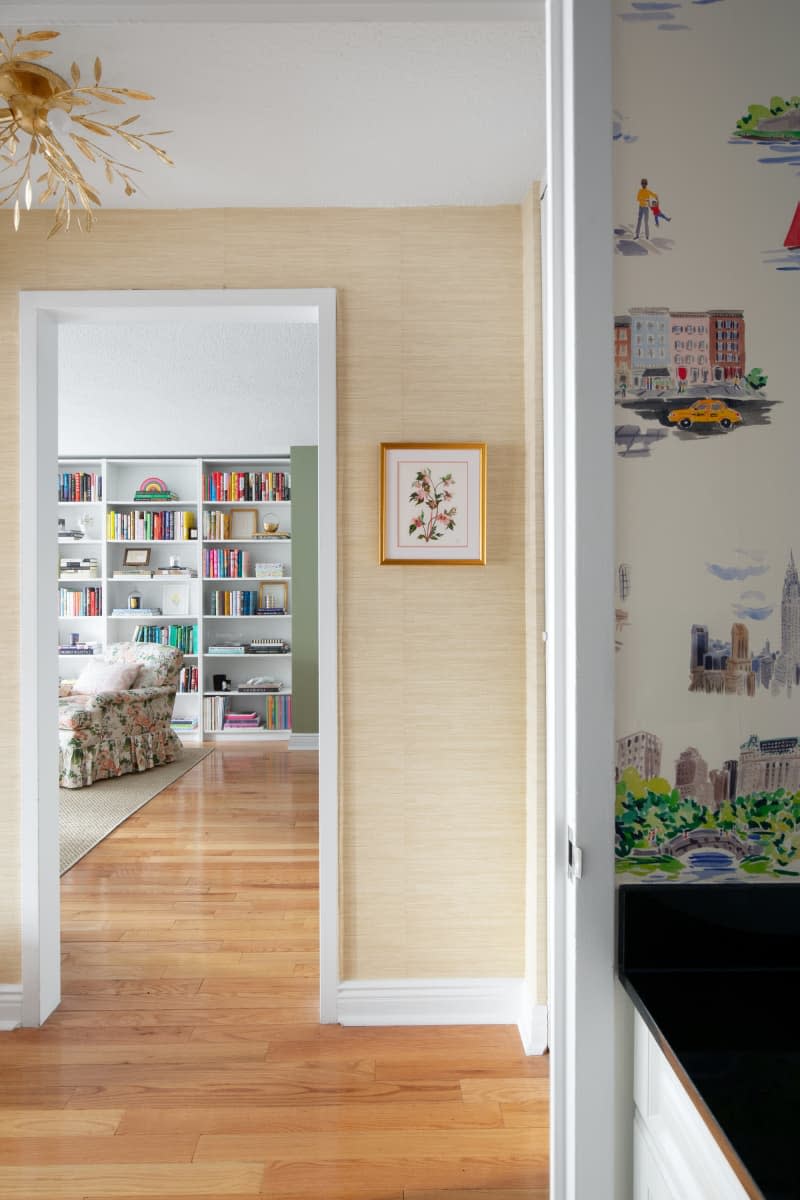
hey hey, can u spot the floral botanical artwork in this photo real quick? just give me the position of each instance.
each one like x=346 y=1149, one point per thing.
x=433 y=503
x=431 y=498
x=740 y=818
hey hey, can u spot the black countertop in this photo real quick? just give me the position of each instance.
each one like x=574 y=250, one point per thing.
x=714 y=969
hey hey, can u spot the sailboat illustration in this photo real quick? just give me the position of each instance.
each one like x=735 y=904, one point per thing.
x=792 y=239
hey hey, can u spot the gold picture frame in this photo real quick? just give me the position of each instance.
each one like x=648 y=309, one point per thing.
x=433 y=504
x=244 y=523
x=268 y=589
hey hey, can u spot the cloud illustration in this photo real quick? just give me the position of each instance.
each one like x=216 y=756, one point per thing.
x=752 y=594
x=754 y=612
x=729 y=573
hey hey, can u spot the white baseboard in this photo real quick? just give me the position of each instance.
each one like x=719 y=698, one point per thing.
x=429 y=1001
x=304 y=741
x=533 y=1028
x=10 y=1006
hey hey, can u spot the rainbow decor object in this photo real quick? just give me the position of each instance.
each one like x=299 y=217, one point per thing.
x=153 y=488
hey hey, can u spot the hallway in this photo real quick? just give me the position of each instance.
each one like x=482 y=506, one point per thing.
x=186 y=1060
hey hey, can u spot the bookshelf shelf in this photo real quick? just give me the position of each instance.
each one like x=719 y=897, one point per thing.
x=248 y=654
x=120 y=478
x=247 y=503
x=162 y=618
x=252 y=695
x=249 y=617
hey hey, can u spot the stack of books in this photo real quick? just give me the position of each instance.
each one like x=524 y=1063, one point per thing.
x=268 y=646
x=134 y=573
x=185 y=572
x=260 y=684
x=237 y=720
x=79 y=648
x=269 y=570
x=184 y=724
x=77 y=568
x=226 y=648
x=136 y=612
x=141 y=494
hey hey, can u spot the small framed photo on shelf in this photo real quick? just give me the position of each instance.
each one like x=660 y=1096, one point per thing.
x=175 y=601
x=136 y=556
x=273 y=596
x=244 y=523
x=433 y=504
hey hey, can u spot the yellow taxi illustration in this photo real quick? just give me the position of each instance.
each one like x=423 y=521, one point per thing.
x=707 y=411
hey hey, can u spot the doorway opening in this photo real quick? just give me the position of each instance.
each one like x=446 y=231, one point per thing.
x=42 y=316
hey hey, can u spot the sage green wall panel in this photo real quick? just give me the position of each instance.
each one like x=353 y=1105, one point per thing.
x=305 y=644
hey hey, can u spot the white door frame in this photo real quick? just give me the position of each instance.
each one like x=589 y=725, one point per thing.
x=40 y=315
x=579 y=534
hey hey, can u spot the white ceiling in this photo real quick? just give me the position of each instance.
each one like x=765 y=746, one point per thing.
x=383 y=110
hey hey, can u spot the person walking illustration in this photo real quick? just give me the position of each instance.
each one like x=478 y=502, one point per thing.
x=643 y=198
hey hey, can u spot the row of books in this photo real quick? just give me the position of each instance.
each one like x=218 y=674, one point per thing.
x=215 y=709
x=226 y=564
x=279 y=712
x=257 y=486
x=161 y=525
x=188 y=680
x=234 y=603
x=75 y=486
x=216 y=525
x=80 y=602
x=183 y=637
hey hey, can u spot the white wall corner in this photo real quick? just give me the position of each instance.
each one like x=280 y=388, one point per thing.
x=534 y=1028
x=304 y=741
x=430 y=1001
x=10 y=1006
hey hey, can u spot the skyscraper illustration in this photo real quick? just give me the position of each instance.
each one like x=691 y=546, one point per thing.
x=790 y=618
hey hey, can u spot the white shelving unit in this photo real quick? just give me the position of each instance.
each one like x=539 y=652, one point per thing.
x=121 y=477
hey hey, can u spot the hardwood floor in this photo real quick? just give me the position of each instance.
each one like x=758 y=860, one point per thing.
x=186 y=1059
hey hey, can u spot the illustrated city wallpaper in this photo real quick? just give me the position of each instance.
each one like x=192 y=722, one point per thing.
x=706 y=238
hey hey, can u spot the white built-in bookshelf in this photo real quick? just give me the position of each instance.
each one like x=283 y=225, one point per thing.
x=210 y=534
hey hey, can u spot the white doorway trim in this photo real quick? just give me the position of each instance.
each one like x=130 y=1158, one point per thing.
x=40 y=315
x=579 y=540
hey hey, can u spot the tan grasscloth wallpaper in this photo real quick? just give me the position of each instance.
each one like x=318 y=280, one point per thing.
x=430 y=346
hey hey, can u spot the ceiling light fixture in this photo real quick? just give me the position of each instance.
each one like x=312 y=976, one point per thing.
x=43 y=110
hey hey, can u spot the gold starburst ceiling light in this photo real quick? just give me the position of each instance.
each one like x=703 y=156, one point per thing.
x=43 y=113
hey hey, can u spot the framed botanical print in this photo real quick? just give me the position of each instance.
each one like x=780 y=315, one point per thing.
x=433 y=504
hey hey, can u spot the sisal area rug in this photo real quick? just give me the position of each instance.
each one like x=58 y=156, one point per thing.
x=87 y=815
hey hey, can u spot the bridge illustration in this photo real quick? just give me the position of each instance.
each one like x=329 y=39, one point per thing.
x=709 y=839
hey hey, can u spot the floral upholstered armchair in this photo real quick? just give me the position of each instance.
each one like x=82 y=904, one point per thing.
x=111 y=733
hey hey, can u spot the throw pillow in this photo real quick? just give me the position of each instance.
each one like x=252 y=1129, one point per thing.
x=104 y=677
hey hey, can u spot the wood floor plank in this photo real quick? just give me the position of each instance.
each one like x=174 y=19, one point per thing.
x=80 y=1149
x=38 y=1123
x=101 y=1181
x=349 y=1115
x=187 y=1058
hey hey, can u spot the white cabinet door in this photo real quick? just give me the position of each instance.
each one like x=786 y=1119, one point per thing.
x=675 y=1154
